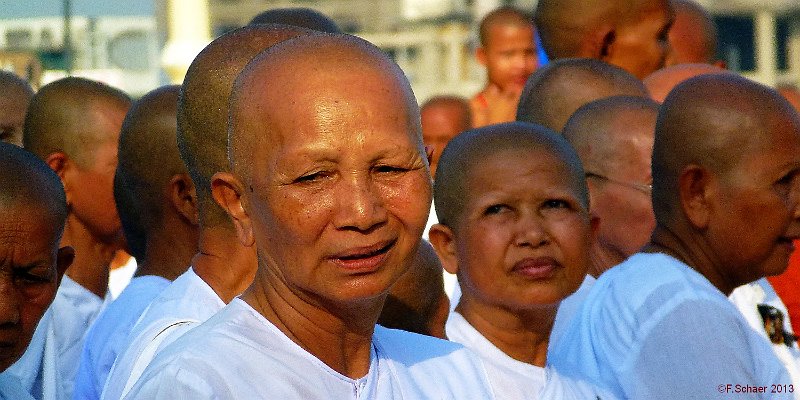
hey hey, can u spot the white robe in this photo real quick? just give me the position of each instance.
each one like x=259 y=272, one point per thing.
x=510 y=378
x=653 y=328
x=107 y=336
x=48 y=367
x=238 y=354
x=187 y=302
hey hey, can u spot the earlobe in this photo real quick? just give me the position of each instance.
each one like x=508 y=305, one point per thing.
x=480 y=55
x=183 y=197
x=227 y=192
x=60 y=164
x=443 y=241
x=694 y=189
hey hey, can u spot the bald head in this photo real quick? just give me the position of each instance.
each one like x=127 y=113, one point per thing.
x=503 y=16
x=15 y=95
x=417 y=301
x=147 y=159
x=713 y=121
x=312 y=70
x=203 y=105
x=553 y=93
x=470 y=148
x=299 y=17
x=443 y=117
x=693 y=36
x=57 y=118
x=28 y=183
x=661 y=82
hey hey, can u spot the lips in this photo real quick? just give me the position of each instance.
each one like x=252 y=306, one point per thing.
x=363 y=259
x=536 y=267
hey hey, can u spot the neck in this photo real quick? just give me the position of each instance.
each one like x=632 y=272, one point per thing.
x=694 y=252
x=223 y=263
x=522 y=335
x=601 y=259
x=92 y=256
x=341 y=337
x=168 y=254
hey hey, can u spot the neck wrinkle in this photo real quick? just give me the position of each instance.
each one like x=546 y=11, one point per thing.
x=226 y=265
x=523 y=336
x=340 y=339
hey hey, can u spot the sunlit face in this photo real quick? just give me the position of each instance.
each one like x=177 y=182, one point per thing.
x=759 y=207
x=509 y=55
x=620 y=194
x=28 y=278
x=340 y=195
x=641 y=46
x=440 y=124
x=92 y=187
x=523 y=239
x=12 y=115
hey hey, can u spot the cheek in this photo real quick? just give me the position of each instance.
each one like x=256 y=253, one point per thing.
x=409 y=199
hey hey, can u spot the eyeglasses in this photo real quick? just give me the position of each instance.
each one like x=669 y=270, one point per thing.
x=646 y=189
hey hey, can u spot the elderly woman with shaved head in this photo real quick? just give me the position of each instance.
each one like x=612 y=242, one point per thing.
x=330 y=185
x=726 y=197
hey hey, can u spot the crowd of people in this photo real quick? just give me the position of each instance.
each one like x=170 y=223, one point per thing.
x=610 y=215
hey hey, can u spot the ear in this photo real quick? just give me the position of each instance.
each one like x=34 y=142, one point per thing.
x=61 y=164
x=443 y=241
x=594 y=226
x=695 y=191
x=64 y=259
x=598 y=44
x=228 y=192
x=183 y=197
x=480 y=55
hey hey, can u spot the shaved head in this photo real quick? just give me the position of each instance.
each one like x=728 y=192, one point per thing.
x=299 y=17
x=147 y=159
x=503 y=16
x=57 y=118
x=26 y=182
x=554 y=92
x=443 y=117
x=470 y=148
x=417 y=299
x=712 y=120
x=791 y=94
x=203 y=105
x=305 y=65
x=15 y=95
x=661 y=82
x=614 y=139
x=563 y=24
x=693 y=36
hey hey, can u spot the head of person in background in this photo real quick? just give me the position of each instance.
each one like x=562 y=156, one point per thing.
x=300 y=17
x=15 y=96
x=443 y=117
x=693 y=36
x=614 y=139
x=516 y=230
x=33 y=211
x=554 y=92
x=661 y=82
x=417 y=302
x=508 y=51
x=153 y=191
x=73 y=124
x=631 y=34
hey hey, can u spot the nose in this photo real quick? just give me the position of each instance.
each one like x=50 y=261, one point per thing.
x=360 y=205
x=531 y=231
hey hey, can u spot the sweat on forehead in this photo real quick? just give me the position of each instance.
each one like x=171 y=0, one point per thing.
x=472 y=147
x=311 y=77
x=26 y=181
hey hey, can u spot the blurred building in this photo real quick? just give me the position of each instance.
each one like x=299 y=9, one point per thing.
x=125 y=42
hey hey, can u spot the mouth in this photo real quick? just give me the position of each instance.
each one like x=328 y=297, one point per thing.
x=536 y=268
x=363 y=259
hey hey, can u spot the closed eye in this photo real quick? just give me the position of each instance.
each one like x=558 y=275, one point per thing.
x=383 y=169
x=313 y=177
x=555 y=203
x=495 y=209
